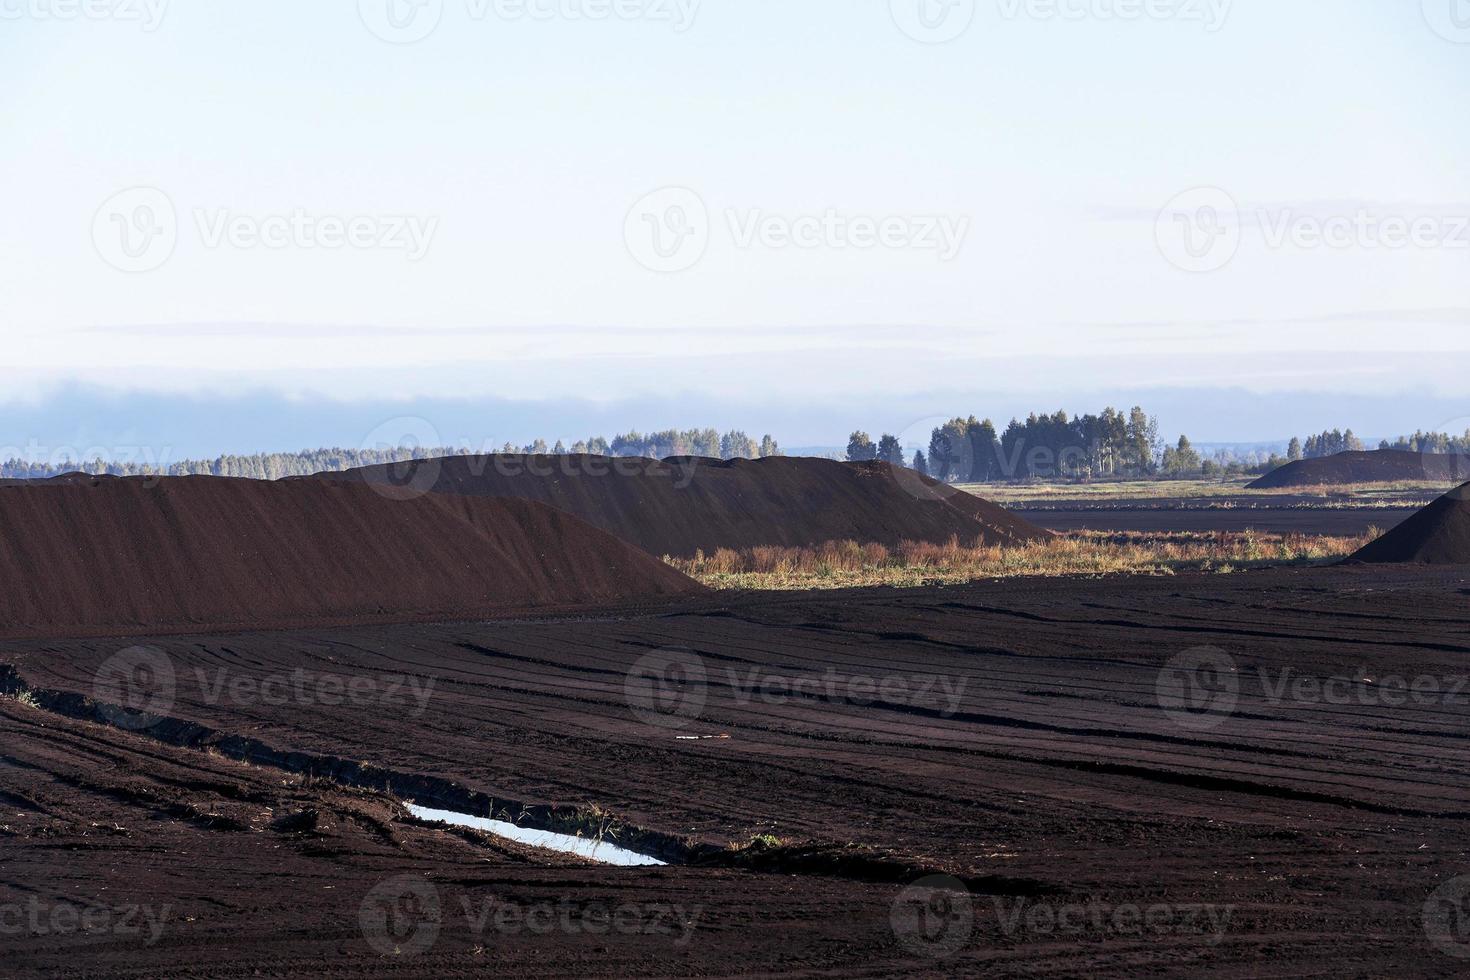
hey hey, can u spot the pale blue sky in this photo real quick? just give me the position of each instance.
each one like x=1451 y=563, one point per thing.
x=523 y=144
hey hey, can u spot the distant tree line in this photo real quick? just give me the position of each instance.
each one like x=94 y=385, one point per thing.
x=1340 y=441
x=1326 y=444
x=1431 y=442
x=260 y=466
x=275 y=466
x=969 y=450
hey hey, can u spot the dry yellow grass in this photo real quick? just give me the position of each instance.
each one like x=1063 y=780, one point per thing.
x=845 y=564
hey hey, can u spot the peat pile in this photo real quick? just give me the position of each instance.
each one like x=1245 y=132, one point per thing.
x=684 y=504
x=1437 y=535
x=1380 y=466
x=95 y=555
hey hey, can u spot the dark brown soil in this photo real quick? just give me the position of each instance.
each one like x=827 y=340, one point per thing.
x=1380 y=466
x=683 y=504
x=187 y=864
x=81 y=557
x=1300 y=808
x=1437 y=535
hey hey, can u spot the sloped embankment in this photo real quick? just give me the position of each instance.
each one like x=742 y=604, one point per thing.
x=81 y=556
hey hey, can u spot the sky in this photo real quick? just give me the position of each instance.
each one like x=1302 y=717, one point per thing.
x=522 y=218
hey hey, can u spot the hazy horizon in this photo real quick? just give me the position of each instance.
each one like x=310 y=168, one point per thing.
x=800 y=219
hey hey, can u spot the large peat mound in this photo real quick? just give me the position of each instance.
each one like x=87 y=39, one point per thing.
x=1380 y=466
x=83 y=556
x=683 y=504
x=1437 y=535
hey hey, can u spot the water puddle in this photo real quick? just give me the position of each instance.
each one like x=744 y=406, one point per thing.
x=583 y=847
